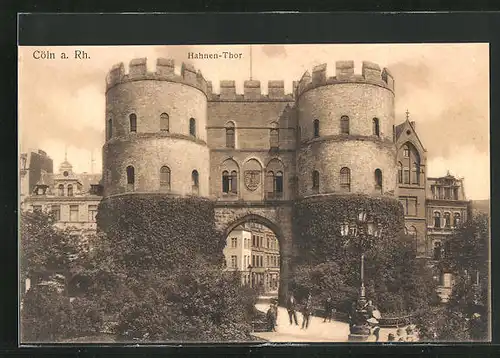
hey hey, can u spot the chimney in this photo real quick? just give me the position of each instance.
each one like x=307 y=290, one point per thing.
x=413 y=125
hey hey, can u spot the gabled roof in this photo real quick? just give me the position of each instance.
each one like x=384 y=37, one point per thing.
x=406 y=125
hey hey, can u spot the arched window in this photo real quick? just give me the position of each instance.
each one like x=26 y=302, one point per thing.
x=378 y=178
x=164 y=122
x=344 y=125
x=315 y=180
x=226 y=181
x=274 y=138
x=376 y=127
x=130 y=178
x=133 y=122
x=345 y=179
x=230 y=182
x=316 y=128
x=406 y=175
x=278 y=183
x=456 y=220
x=234 y=182
x=110 y=128
x=269 y=184
x=400 y=173
x=60 y=189
x=412 y=232
x=416 y=173
x=437 y=219
x=165 y=178
x=70 y=190
x=447 y=220
x=230 y=137
x=437 y=250
x=195 y=182
x=192 y=127
x=406 y=151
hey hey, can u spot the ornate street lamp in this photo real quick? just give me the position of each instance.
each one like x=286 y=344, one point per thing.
x=363 y=232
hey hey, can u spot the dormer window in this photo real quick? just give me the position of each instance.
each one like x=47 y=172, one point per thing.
x=65 y=173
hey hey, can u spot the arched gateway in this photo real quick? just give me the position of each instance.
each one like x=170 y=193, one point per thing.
x=277 y=218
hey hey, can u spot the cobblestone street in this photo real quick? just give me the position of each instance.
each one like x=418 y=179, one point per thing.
x=318 y=330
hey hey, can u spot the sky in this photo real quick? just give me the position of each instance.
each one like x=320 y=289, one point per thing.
x=445 y=88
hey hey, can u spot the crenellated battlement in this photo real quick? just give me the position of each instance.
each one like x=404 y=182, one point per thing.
x=165 y=71
x=252 y=91
x=344 y=73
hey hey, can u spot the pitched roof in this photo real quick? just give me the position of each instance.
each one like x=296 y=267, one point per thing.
x=399 y=129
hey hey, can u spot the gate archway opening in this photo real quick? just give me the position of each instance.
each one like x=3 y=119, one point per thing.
x=253 y=250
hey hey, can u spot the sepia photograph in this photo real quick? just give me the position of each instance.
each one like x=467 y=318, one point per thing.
x=256 y=193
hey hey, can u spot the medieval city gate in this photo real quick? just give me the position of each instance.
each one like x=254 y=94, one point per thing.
x=276 y=216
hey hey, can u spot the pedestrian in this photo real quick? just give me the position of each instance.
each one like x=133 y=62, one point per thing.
x=376 y=333
x=409 y=333
x=290 y=307
x=399 y=334
x=271 y=319
x=390 y=337
x=328 y=309
x=306 y=312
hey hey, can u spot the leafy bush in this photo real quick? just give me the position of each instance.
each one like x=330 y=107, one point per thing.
x=199 y=304
x=164 y=256
x=155 y=231
x=395 y=280
x=49 y=316
x=465 y=316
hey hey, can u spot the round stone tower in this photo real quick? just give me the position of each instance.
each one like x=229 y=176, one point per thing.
x=156 y=139
x=346 y=126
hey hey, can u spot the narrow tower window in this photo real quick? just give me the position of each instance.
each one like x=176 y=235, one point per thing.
x=130 y=178
x=192 y=127
x=376 y=127
x=316 y=128
x=345 y=179
x=165 y=178
x=70 y=190
x=234 y=182
x=195 y=182
x=378 y=179
x=315 y=180
x=274 y=138
x=269 y=184
x=133 y=122
x=226 y=181
x=110 y=128
x=60 y=190
x=164 y=122
x=344 y=125
x=278 y=184
x=230 y=136
x=456 y=219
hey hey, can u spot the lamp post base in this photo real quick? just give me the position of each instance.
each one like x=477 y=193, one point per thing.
x=358 y=337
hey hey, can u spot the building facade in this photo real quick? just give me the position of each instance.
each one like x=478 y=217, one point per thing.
x=72 y=198
x=253 y=250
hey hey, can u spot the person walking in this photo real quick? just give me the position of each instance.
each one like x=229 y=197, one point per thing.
x=271 y=319
x=306 y=312
x=328 y=309
x=290 y=307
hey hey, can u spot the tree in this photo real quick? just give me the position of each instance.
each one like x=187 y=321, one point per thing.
x=466 y=314
x=50 y=257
